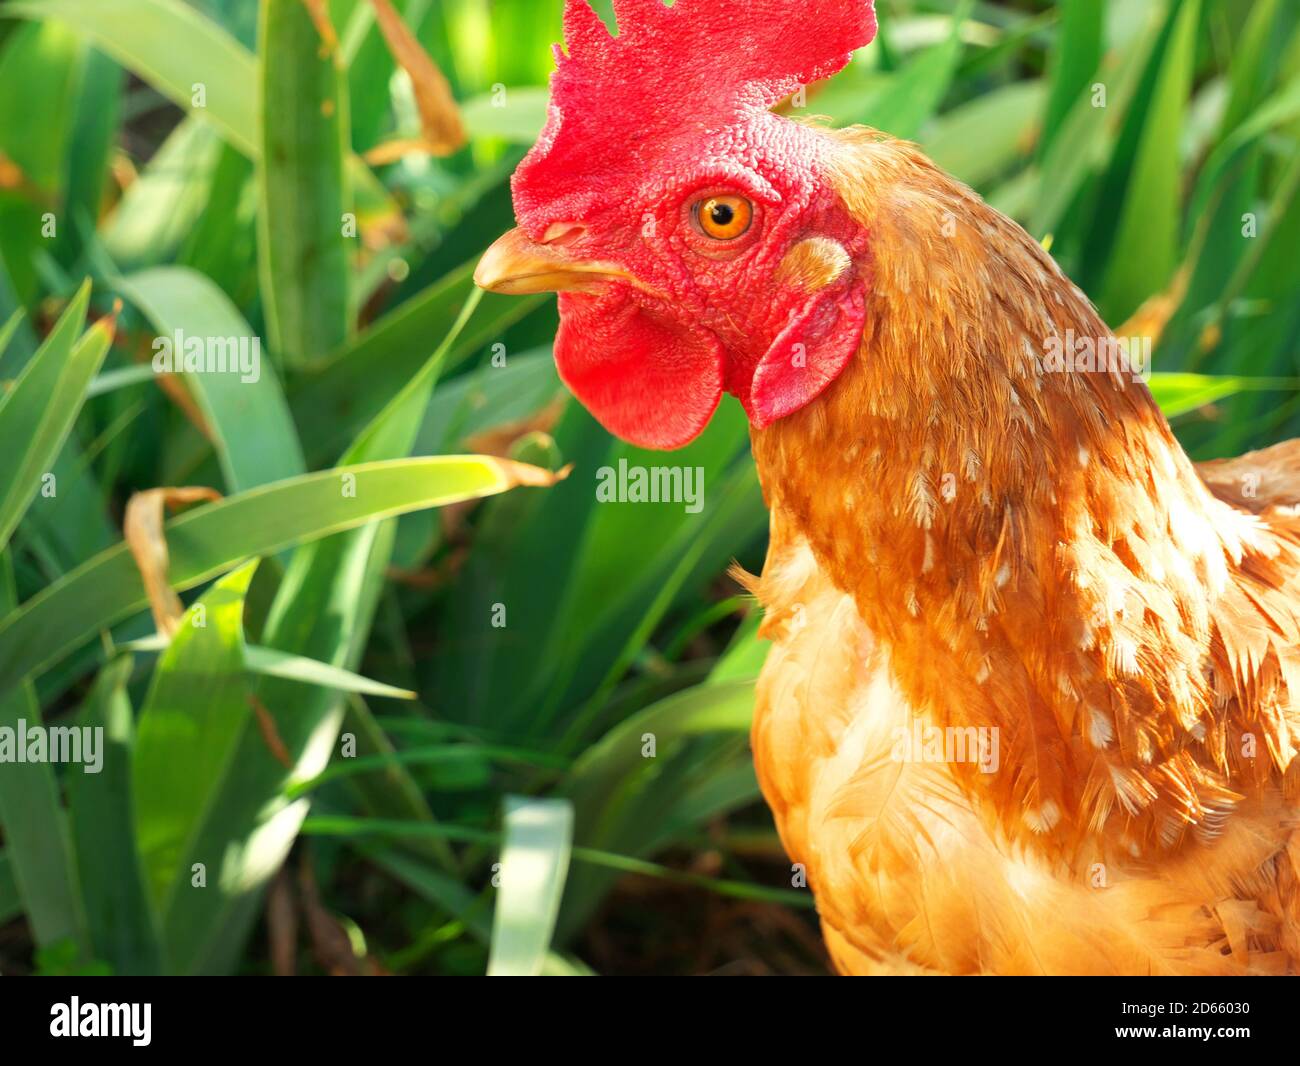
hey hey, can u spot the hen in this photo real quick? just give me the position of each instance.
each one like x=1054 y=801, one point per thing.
x=1031 y=702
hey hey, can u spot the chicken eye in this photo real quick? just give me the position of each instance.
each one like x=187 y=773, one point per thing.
x=724 y=218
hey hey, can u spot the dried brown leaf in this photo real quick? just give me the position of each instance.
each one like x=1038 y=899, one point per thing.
x=172 y=386
x=391 y=151
x=270 y=734
x=517 y=474
x=282 y=924
x=499 y=440
x=143 y=529
x=330 y=942
x=11 y=174
x=441 y=130
x=1150 y=319
x=319 y=12
x=14 y=179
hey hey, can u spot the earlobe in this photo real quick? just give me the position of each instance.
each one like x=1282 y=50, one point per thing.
x=808 y=354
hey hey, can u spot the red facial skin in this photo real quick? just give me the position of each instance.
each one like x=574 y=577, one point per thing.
x=626 y=161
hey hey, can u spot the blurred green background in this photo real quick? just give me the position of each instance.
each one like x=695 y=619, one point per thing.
x=427 y=735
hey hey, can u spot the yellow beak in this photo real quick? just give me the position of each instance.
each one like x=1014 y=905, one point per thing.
x=516 y=264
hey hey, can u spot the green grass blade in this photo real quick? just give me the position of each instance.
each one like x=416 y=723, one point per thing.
x=1145 y=250
x=95 y=118
x=21 y=340
x=515 y=115
x=221 y=243
x=37 y=414
x=715 y=707
x=488 y=398
x=255 y=436
x=42 y=455
x=211 y=539
x=46 y=59
x=1074 y=58
x=35 y=826
x=735 y=515
x=322 y=610
x=632 y=804
x=160 y=207
x=388 y=790
x=904 y=103
x=333 y=404
x=36 y=833
x=41 y=66
x=576 y=616
x=10 y=329
x=534 y=864
x=1249 y=71
x=1179 y=393
x=451 y=896
x=1279 y=110
x=122 y=378
x=188 y=735
x=271 y=663
x=121 y=923
x=978 y=141
x=11 y=903
x=71 y=524
x=431 y=755
x=745 y=656
x=1082 y=140
x=303 y=254
x=174 y=48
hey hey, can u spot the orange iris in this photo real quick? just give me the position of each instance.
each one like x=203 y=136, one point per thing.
x=724 y=218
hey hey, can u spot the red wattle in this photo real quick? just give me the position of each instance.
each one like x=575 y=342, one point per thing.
x=645 y=379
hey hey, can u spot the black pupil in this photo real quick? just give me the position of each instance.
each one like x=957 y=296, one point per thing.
x=722 y=214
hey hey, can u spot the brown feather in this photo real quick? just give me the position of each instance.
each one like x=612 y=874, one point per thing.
x=965 y=538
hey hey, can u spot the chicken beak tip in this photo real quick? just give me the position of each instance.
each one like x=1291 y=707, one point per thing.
x=501 y=263
x=517 y=265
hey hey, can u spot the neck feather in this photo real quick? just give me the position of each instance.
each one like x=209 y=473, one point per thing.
x=1029 y=541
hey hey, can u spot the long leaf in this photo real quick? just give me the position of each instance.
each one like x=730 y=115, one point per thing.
x=451 y=896
x=388 y=790
x=157 y=210
x=333 y=404
x=322 y=610
x=634 y=800
x=1179 y=393
x=1145 y=250
x=174 y=48
x=302 y=251
x=37 y=415
x=255 y=436
x=904 y=103
x=190 y=729
x=1073 y=61
x=534 y=863
x=35 y=826
x=271 y=663
x=121 y=923
x=11 y=903
x=94 y=127
x=10 y=330
x=211 y=539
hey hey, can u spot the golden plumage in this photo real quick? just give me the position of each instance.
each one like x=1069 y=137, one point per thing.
x=967 y=540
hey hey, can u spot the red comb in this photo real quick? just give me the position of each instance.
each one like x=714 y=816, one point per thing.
x=700 y=64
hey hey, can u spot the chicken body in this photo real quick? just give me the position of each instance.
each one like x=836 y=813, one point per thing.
x=970 y=547
x=1033 y=700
